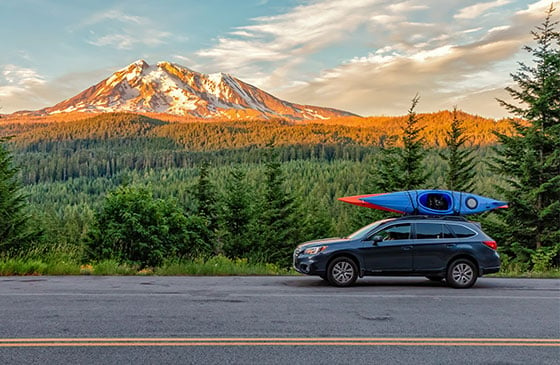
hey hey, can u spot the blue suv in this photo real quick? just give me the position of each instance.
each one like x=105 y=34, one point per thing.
x=439 y=248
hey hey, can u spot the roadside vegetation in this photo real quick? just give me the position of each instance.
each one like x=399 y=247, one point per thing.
x=122 y=194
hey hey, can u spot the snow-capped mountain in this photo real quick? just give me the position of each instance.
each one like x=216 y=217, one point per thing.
x=174 y=89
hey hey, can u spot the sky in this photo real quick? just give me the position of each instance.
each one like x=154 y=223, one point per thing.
x=369 y=57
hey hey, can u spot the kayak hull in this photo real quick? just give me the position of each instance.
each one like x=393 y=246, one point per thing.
x=427 y=202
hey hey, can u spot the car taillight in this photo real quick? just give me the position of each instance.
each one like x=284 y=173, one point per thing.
x=492 y=244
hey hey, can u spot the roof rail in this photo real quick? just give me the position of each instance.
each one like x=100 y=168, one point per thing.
x=445 y=217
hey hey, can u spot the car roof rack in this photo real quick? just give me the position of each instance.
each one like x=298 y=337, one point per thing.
x=444 y=217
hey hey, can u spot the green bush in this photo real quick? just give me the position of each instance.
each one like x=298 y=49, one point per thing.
x=542 y=258
x=135 y=228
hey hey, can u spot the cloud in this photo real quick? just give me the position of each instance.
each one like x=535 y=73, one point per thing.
x=476 y=10
x=117 y=15
x=127 y=40
x=25 y=89
x=462 y=68
x=123 y=31
x=17 y=79
x=300 y=32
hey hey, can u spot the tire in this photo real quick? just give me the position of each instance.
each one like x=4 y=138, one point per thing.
x=461 y=274
x=342 y=271
x=434 y=278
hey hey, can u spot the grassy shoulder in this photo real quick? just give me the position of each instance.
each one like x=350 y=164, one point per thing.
x=214 y=266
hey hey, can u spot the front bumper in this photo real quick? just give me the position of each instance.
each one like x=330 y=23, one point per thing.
x=309 y=264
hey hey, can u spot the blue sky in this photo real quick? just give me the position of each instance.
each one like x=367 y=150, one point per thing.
x=366 y=56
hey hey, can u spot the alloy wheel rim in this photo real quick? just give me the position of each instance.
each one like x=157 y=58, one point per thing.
x=463 y=273
x=343 y=272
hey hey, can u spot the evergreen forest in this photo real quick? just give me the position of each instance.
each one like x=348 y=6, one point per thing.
x=146 y=189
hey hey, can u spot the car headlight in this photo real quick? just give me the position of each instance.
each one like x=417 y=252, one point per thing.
x=314 y=250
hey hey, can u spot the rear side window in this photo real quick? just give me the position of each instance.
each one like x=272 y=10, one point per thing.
x=461 y=231
x=432 y=231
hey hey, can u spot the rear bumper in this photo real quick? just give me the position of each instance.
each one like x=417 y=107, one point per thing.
x=489 y=270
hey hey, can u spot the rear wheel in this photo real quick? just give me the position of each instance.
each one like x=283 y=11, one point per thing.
x=462 y=273
x=342 y=271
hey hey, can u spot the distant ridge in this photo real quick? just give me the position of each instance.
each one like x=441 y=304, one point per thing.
x=173 y=89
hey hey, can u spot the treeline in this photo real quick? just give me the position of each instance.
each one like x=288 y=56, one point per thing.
x=97 y=158
x=205 y=136
x=107 y=144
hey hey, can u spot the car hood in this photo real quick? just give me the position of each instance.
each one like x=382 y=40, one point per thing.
x=323 y=241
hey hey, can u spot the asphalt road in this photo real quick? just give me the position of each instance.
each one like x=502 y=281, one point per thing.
x=276 y=320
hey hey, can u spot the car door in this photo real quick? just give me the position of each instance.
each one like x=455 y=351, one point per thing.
x=393 y=253
x=432 y=245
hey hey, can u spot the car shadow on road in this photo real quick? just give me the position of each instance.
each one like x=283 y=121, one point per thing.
x=312 y=282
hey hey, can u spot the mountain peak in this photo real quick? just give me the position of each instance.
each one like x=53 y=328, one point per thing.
x=174 y=89
x=141 y=64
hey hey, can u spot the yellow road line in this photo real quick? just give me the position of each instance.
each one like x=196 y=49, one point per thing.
x=378 y=341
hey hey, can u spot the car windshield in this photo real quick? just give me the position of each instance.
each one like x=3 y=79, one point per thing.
x=364 y=230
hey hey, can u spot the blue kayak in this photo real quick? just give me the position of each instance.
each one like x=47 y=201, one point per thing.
x=427 y=202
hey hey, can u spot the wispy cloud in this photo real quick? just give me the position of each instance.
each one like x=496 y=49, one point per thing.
x=16 y=78
x=477 y=10
x=24 y=88
x=126 y=31
x=117 y=15
x=297 y=33
x=444 y=71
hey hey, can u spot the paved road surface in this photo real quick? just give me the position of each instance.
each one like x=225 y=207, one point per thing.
x=276 y=320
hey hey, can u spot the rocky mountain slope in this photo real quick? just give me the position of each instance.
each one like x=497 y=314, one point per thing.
x=173 y=89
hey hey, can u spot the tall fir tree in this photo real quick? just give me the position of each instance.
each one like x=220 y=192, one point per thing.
x=530 y=158
x=278 y=224
x=414 y=174
x=238 y=216
x=461 y=165
x=16 y=232
x=207 y=208
x=397 y=168
x=402 y=168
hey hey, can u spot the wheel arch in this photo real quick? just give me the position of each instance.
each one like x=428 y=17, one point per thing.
x=466 y=257
x=350 y=256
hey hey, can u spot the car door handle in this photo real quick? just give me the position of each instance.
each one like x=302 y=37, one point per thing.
x=406 y=248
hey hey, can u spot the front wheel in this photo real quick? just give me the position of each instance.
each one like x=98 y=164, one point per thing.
x=461 y=274
x=342 y=271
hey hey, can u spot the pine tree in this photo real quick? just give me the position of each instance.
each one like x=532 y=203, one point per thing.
x=277 y=221
x=460 y=162
x=413 y=152
x=401 y=168
x=207 y=208
x=206 y=194
x=397 y=168
x=238 y=216
x=15 y=228
x=530 y=158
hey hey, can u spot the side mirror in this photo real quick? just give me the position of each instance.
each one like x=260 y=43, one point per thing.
x=377 y=239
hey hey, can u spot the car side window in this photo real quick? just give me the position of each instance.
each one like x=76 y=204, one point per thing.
x=432 y=231
x=461 y=231
x=396 y=232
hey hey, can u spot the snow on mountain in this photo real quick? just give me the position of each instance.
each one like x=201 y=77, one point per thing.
x=170 y=88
